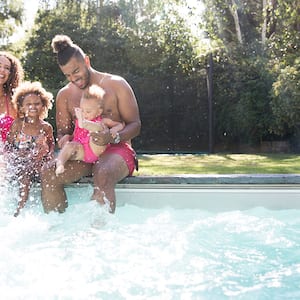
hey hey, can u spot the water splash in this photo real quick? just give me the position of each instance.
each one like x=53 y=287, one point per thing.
x=146 y=253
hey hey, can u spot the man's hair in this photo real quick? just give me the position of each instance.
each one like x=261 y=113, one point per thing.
x=65 y=49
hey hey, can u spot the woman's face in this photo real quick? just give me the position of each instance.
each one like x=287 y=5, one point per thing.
x=5 y=66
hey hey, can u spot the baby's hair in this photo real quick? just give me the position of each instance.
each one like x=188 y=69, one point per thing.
x=65 y=49
x=28 y=88
x=95 y=92
x=16 y=73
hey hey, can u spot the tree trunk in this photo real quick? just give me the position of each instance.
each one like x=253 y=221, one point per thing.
x=264 y=25
x=234 y=12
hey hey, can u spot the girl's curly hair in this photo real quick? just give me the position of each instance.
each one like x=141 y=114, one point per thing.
x=16 y=75
x=27 y=88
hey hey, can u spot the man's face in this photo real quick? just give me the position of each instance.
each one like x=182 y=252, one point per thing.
x=77 y=72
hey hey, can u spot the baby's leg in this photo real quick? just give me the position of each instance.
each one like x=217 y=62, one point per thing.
x=71 y=151
x=96 y=149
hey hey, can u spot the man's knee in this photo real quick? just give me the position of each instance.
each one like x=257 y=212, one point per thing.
x=102 y=176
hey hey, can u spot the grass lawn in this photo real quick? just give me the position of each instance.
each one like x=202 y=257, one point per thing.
x=168 y=164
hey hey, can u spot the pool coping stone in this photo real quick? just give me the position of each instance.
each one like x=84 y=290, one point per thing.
x=199 y=179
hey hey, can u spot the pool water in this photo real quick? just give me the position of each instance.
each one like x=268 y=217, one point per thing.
x=146 y=253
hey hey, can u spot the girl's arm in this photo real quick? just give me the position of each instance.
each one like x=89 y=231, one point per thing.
x=50 y=138
x=45 y=144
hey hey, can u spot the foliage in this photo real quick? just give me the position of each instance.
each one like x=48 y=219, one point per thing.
x=11 y=12
x=156 y=45
x=251 y=39
x=157 y=59
x=286 y=99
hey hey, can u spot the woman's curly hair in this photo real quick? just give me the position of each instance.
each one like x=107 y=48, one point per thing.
x=27 y=88
x=16 y=74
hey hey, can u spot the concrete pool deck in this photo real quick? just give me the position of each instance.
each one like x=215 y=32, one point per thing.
x=209 y=192
x=207 y=179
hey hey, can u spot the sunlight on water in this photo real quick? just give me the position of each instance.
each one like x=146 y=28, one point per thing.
x=138 y=253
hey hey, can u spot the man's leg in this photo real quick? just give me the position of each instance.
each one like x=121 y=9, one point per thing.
x=108 y=171
x=53 y=192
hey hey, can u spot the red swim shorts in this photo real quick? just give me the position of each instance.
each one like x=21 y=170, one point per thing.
x=128 y=154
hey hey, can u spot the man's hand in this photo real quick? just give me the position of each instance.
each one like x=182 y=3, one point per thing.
x=101 y=138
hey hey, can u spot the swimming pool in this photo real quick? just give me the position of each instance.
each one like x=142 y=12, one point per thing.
x=154 y=248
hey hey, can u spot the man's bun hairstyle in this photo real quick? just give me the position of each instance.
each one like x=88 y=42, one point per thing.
x=60 y=43
x=64 y=47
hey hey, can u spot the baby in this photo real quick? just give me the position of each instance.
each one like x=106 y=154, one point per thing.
x=88 y=120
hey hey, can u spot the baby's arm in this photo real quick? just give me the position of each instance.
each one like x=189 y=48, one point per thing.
x=88 y=125
x=113 y=125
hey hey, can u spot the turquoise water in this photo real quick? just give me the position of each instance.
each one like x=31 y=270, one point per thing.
x=138 y=253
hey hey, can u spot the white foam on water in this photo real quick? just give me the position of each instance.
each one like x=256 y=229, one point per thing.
x=143 y=253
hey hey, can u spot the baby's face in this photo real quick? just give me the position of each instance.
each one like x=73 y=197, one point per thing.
x=90 y=108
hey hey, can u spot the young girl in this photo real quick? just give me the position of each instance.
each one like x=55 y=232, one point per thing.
x=30 y=141
x=11 y=75
x=88 y=120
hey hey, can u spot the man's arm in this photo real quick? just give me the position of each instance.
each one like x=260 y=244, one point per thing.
x=128 y=111
x=64 y=122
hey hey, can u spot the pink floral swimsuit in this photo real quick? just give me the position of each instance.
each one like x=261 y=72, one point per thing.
x=5 y=122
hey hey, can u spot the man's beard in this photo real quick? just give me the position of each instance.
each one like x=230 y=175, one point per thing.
x=86 y=79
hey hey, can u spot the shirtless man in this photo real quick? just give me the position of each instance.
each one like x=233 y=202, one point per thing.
x=118 y=160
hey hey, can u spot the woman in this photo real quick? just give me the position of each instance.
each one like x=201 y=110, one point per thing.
x=11 y=75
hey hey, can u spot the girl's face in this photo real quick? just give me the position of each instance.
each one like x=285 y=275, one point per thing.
x=5 y=66
x=32 y=106
x=90 y=108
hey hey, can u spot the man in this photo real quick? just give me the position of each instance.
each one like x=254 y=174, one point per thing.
x=118 y=160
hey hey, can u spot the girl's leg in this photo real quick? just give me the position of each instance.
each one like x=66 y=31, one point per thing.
x=24 y=189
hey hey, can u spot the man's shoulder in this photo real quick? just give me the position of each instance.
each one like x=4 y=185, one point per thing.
x=66 y=93
x=68 y=88
x=106 y=78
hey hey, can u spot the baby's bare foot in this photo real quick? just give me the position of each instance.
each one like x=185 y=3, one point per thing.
x=59 y=169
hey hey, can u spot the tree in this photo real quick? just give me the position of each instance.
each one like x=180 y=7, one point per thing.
x=11 y=13
x=286 y=100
